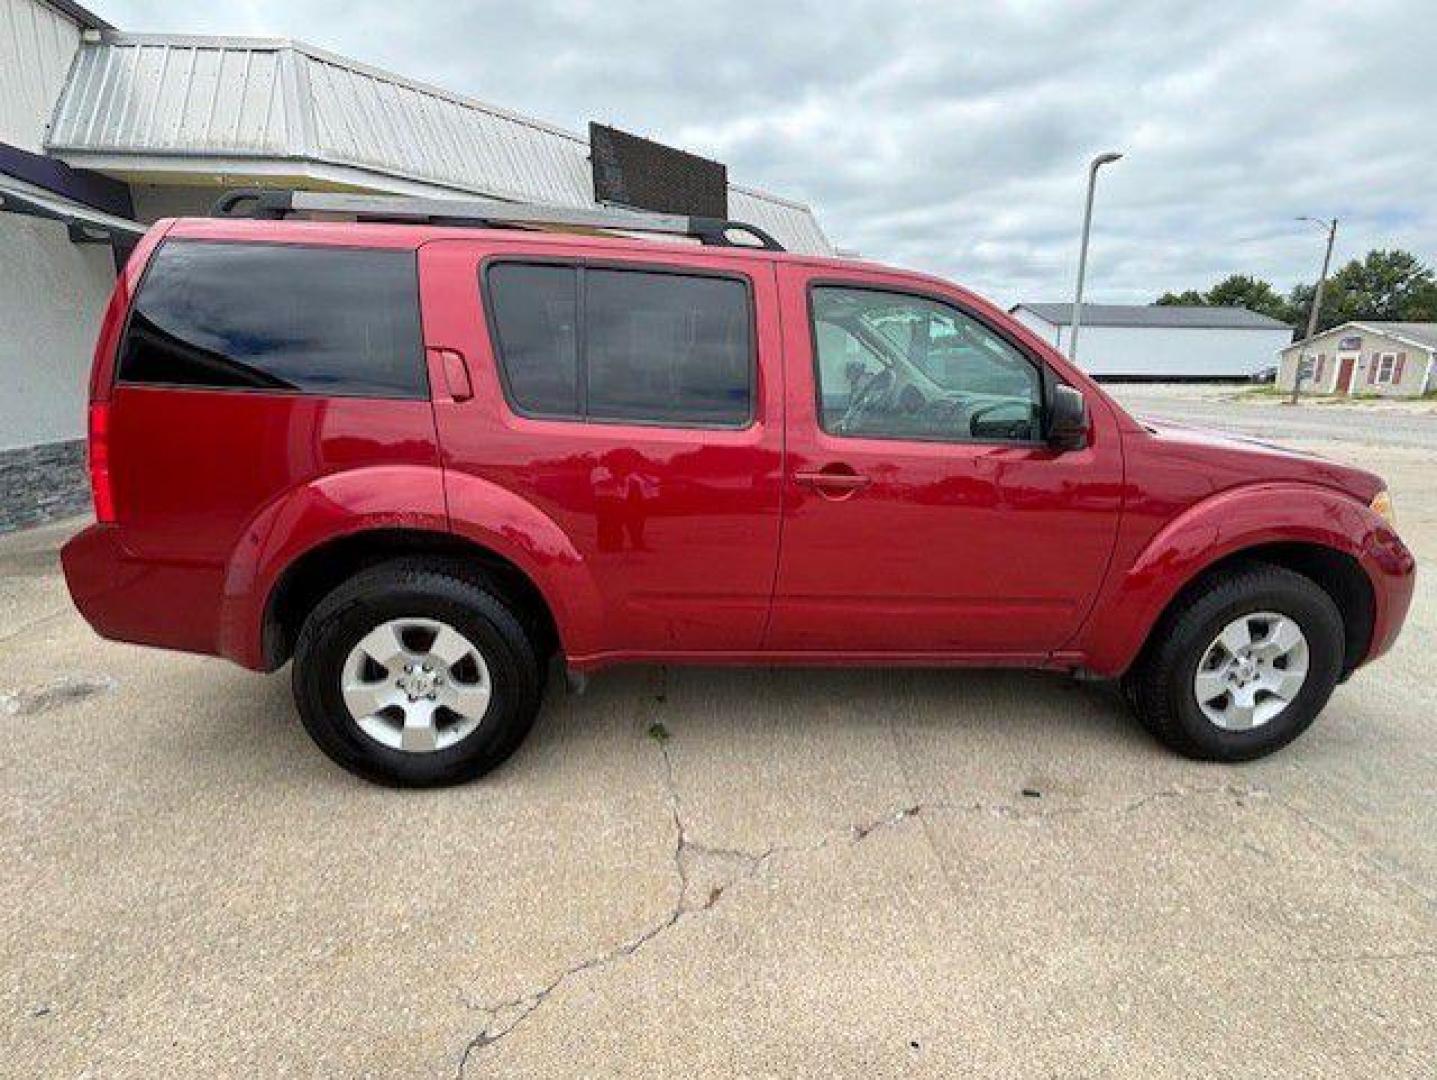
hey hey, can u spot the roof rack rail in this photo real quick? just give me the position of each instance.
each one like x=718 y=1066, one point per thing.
x=279 y=203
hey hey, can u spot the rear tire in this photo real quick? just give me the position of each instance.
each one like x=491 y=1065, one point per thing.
x=1204 y=693
x=412 y=676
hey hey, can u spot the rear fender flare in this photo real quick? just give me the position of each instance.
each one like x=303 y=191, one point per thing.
x=396 y=497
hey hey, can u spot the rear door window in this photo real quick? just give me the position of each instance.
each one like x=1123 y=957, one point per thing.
x=640 y=346
x=276 y=317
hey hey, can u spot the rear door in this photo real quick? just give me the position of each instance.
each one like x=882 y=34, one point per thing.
x=924 y=515
x=634 y=398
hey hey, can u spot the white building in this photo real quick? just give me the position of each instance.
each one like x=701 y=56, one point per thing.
x=1382 y=359
x=103 y=132
x=1159 y=343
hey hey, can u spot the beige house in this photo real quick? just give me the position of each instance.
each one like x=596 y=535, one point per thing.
x=1387 y=359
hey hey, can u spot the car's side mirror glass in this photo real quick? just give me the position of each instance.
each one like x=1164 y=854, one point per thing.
x=1067 y=418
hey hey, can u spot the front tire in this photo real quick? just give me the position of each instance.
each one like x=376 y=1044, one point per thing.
x=412 y=675
x=1242 y=668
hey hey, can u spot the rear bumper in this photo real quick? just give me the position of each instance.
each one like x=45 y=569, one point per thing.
x=1393 y=572
x=142 y=601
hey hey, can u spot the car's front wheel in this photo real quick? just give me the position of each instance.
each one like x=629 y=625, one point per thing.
x=1243 y=667
x=411 y=675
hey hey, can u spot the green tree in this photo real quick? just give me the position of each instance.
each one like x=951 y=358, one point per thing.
x=1386 y=285
x=1240 y=290
x=1382 y=286
x=1235 y=290
x=1186 y=298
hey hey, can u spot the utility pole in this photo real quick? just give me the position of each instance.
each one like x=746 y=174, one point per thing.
x=1093 y=167
x=1330 y=227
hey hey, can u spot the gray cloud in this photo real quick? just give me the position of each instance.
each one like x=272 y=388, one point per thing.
x=953 y=137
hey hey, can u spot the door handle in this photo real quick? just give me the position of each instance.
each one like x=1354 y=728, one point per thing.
x=456 y=373
x=833 y=479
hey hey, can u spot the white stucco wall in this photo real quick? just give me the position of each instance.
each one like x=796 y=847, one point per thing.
x=50 y=307
x=53 y=291
x=1163 y=352
x=37 y=44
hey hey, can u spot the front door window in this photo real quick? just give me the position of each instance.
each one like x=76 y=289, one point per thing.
x=892 y=365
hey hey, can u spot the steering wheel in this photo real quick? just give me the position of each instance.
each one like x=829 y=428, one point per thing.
x=867 y=395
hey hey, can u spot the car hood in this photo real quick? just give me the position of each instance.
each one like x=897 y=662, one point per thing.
x=1239 y=459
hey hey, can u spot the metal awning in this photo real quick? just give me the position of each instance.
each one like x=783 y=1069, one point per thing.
x=167 y=109
x=85 y=224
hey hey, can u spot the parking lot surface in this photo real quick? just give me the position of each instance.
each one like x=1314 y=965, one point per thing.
x=715 y=873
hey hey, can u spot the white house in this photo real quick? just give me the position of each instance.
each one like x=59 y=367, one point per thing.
x=1386 y=359
x=1158 y=343
x=103 y=132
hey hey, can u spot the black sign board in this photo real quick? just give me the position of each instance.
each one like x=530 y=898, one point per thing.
x=645 y=175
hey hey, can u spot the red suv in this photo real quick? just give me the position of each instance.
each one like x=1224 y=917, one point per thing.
x=421 y=458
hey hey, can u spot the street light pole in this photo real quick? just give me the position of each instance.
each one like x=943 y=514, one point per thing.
x=1093 y=167
x=1330 y=227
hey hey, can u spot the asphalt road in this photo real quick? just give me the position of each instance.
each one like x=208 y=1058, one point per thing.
x=851 y=874
x=1407 y=424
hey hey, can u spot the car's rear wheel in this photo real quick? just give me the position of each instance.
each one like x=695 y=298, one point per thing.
x=412 y=675
x=1242 y=668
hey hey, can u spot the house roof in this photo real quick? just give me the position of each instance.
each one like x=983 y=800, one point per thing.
x=1156 y=315
x=139 y=104
x=1422 y=335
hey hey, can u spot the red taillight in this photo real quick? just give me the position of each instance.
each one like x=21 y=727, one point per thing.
x=100 y=462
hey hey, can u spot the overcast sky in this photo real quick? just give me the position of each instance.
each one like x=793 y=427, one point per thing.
x=953 y=137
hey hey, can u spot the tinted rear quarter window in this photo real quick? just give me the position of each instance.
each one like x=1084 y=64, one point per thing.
x=317 y=320
x=646 y=346
x=535 y=317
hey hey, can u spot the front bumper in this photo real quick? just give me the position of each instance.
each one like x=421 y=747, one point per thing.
x=1392 y=570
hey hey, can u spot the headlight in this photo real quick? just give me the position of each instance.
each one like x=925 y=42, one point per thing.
x=1382 y=506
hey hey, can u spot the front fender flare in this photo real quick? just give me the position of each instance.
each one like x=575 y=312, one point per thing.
x=1211 y=530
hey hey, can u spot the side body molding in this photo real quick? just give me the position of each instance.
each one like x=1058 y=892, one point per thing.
x=1213 y=529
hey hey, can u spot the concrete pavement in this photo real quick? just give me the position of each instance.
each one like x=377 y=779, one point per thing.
x=815 y=873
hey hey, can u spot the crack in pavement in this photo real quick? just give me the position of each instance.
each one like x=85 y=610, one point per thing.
x=503 y=1017
x=699 y=888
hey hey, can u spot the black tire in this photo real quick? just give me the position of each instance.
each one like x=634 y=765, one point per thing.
x=427 y=590
x=1160 y=686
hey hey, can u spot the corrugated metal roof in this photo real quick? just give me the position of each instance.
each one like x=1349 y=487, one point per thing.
x=173 y=96
x=155 y=97
x=1154 y=315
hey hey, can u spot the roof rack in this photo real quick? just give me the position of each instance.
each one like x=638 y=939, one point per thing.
x=279 y=203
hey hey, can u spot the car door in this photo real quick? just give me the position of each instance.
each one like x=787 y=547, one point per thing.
x=924 y=515
x=625 y=395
